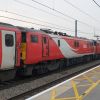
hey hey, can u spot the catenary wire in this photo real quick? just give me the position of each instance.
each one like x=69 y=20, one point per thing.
x=39 y=24
x=60 y=12
x=80 y=10
x=33 y=18
x=28 y=5
x=23 y=3
x=96 y=3
x=32 y=23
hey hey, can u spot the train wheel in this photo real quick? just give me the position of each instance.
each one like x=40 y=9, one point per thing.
x=40 y=68
x=53 y=65
x=26 y=71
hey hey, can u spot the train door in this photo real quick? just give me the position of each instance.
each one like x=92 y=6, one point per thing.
x=8 y=49
x=45 y=46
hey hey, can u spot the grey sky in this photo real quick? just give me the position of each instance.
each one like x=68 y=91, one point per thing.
x=62 y=23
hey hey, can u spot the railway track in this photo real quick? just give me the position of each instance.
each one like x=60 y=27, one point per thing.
x=19 y=89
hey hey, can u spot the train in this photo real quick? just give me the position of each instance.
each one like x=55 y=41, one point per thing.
x=24 y=51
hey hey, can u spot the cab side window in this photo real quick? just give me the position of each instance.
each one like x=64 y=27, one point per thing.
x=9 y=40
x=34 y=38
x=59 y=43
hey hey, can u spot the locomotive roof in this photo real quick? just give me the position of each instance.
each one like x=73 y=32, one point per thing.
x=7 y=25
x=43 y=31
x=25 y=29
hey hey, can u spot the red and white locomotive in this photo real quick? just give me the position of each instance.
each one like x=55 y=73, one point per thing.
x=23 y=50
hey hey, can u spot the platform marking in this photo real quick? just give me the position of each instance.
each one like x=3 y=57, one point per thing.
x=75 y=90
x=89 y=79
x=79 y=96
x=90 y=89
x=50 y=89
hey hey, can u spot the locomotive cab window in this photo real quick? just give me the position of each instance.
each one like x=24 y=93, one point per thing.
x=9 y=40
x=34 y=39
x=59 y=43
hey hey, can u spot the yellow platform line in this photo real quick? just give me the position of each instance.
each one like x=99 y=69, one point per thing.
x=75 y=90
x=53 y=96
x=84 y=85
x=90 y=89
x=69 y=98
x=79 y=79
x=92 y=85
x=96 y=72
x=89 y=79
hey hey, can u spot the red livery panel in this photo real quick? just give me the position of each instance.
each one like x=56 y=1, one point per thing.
x=24 y=50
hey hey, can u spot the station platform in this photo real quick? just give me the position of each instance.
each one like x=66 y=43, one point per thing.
x=85 y=86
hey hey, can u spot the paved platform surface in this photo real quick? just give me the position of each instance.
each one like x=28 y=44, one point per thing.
x=85 y=86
